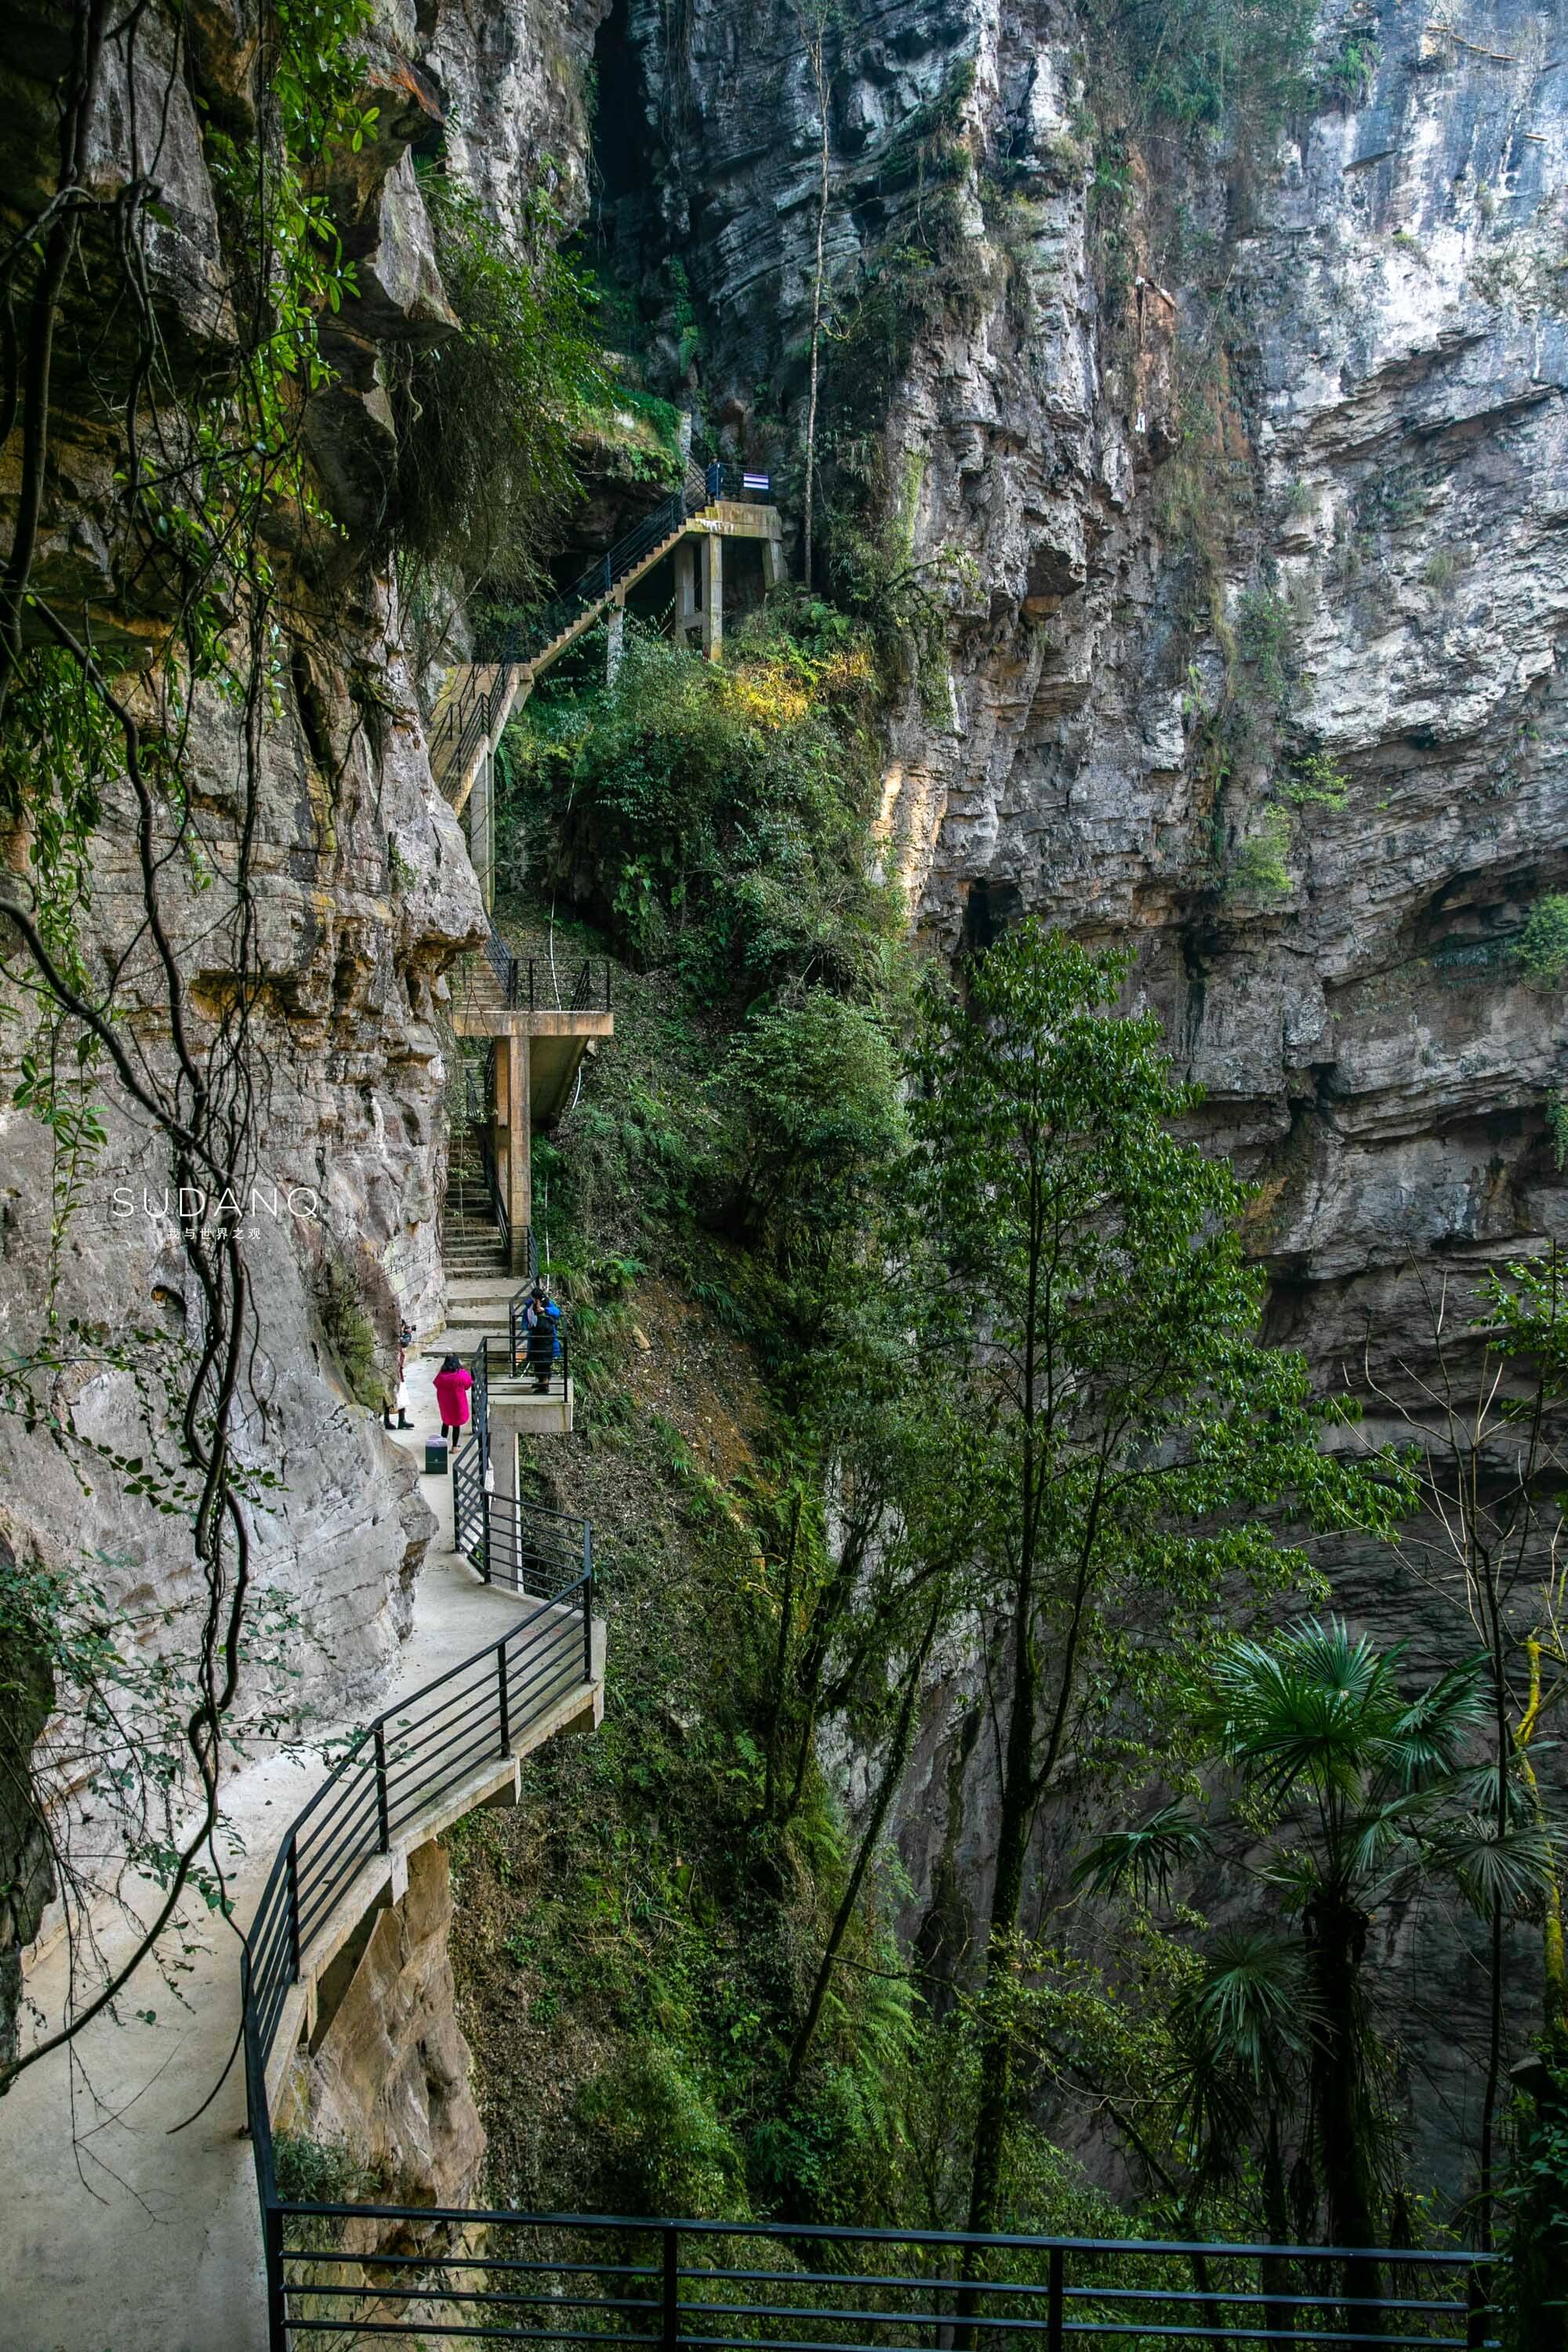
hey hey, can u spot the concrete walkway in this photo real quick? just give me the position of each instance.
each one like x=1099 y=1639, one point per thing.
x=134 y=2237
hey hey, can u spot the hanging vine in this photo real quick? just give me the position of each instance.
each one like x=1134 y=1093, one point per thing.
x=214 y=504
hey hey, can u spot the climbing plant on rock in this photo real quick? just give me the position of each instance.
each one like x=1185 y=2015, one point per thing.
x=213 y=500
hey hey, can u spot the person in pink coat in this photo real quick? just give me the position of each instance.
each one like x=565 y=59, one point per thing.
x=452 y=1387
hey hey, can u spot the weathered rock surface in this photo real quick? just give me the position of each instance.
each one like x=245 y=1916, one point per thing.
x=387 y=2073
x=362 y=896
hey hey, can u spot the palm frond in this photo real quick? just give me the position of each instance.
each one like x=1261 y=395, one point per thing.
x=1140 y=1861
x=1514 y=1871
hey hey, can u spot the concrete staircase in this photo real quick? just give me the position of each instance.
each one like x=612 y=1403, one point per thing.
x=471 y=1242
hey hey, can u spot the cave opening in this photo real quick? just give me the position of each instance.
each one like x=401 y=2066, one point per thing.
x=622 y=168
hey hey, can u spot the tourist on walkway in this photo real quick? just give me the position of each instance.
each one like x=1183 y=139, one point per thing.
x=397 y=1402
x=541 y=1321
x=453 y=1383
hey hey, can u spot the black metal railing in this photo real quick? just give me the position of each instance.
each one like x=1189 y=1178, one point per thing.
x=480 y=1397
x=524 y=1547
x=562 y=2279
x=503 y=963
x=548 y=984
x=468 y=1496
x=539 y=1351
x=471 y=716
x=399 y=1769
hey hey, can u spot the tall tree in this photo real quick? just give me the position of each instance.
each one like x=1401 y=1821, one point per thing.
x=1125 y=1432
x=1484 y=1401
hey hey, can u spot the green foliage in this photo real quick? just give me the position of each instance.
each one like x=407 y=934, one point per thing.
x=1348 y=78
x=1205 y=65
x=1534 y=2289
x=809 y=1091
x=320 y=2172
x=714 y=817
x=903 y=602
x=485 y=417
x=1317 y=782
x=1357 y=1792
x=1557 y=1128
x=1258 y=869
x=1122 y=1486
x=1265 y=636
x=665 y=2149
x=1543 y=949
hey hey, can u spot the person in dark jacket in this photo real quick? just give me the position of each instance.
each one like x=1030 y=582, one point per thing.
x=397 y=1402
x=541 y=1322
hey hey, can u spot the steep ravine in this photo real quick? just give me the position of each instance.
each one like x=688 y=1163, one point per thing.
x=1370 y=316
x=1252 y=456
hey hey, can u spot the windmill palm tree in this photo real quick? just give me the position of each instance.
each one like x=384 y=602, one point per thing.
x=1362 y=1789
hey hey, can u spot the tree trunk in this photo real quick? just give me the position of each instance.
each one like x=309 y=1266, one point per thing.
x=893 y=1772
x=1338 y=1929
x=1007 y=1894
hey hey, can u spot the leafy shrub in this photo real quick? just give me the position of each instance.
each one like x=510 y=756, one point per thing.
x=1265 y=636
x=813 y=1095
x=1543 y=949
x=320 y=2171
x=1258 y=869
x=715 y=817
x=1317 y=783
x=1202 y=63
x=663 y=2148
x=484 y=417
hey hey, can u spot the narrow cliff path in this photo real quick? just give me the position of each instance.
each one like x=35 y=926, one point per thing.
x=121 y=2233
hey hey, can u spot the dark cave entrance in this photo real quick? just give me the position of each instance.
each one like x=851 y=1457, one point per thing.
x=623 y=173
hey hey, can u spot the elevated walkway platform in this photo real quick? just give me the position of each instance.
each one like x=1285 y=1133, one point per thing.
x=478 y=698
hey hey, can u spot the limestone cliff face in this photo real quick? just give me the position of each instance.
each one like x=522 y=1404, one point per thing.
x=1253 y=458
x=364 y=892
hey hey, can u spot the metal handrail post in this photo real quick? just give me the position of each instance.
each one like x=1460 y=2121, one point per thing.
x=382 y=1816
x=291 y=1889
x=671 y=2287
x=587 y=1600
x=501 y=1679
x=277 y=2293
x=1055 y=2298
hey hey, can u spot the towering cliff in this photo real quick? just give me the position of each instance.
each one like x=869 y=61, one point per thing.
x=358 y=893
x=1232 y=457
x=1240 y=451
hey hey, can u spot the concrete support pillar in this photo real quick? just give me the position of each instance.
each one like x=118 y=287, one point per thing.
x=513 y=1052
x=504 y=1511
x=712 y=594
x=685 y=589
x=482 y=826
x=773 y=563
x=615 y=644
x=503 y=1454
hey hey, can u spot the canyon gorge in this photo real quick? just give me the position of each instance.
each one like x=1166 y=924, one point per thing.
x=1208 y=436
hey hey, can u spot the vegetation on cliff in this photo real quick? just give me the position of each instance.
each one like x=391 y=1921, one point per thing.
x=915 y=1348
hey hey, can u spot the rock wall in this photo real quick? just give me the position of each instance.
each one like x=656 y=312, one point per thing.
x=386 y=2073
x=364 y=892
